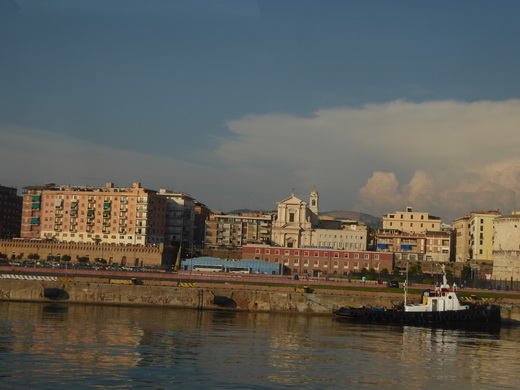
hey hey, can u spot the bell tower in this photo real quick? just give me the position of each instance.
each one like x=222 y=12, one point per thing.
x=314 y=201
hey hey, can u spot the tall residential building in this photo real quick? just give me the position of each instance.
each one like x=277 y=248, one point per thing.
x=481 y=234
x=202 y=213
x=237 y=230
x=180 y=218
x=461 y=236
x=10 y=212
x=133 y=216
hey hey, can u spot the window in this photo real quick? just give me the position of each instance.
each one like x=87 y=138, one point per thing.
x=291 y=217
x=306 y=253
x=267 y=251
x=316 y=254
x=346 y=256
x=345 y=264
x=356 y=256
x=367 y=256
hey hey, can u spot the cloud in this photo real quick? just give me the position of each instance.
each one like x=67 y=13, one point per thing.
x=443 y=157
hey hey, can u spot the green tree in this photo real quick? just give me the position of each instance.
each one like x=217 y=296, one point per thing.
x=33 y=256
x=384 y=271
x=83 y=259
x=65 y=258
x=415 y=269
x=465 y=273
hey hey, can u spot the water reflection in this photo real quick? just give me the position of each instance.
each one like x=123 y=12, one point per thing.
x=53 y=346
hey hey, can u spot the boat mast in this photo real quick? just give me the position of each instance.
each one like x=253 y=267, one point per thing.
x=406 y=284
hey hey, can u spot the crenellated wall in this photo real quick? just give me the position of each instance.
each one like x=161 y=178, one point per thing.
x=149 y=255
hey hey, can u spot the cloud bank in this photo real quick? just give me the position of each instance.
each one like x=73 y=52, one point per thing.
x=444 y=157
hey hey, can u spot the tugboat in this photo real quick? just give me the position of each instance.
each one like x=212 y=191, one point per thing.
x=442 y=306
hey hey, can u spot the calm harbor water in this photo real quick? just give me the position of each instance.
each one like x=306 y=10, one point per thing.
x=85 y=347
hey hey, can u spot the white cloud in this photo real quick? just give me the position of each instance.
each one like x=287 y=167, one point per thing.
x=447 y=158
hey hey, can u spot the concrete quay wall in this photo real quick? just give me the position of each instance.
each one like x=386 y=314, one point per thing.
x=209 y=297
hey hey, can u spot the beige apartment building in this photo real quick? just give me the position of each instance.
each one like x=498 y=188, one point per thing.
x=461 y=236
x=410 y=221
x=114 y=215
x=414 y=236
x=237 y=230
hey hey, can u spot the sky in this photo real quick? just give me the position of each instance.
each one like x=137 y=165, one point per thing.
x=379 y=105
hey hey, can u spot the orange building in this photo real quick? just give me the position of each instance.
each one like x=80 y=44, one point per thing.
x=131 y=216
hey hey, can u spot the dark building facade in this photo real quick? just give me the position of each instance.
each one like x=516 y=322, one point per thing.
x=10 y=212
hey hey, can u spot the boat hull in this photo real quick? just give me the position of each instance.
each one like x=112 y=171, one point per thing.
x=485 y=314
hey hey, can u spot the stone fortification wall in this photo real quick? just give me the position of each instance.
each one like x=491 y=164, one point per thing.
x=150 y=255
x=506 y=248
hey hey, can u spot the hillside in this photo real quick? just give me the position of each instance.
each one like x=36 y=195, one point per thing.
x=367 y=219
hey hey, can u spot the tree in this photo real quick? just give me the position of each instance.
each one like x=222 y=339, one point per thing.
x=415 y=269
x=465 y=273
x=384 y=271
x=65 y=258
x=83 y=259
x=33 y=256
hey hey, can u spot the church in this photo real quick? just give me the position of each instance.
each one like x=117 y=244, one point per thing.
x=298 y=225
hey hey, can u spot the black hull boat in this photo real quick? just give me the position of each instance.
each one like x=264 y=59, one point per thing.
x=476 y=315
x=441 y=306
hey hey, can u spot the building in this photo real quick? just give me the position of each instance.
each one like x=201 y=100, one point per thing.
x=481 y=225
x=298 y=225
x=131 y=216
x=247 y=266
x=179 y=227
x=294 y=222
x=202 y=213
x=319 y=261
x=506 y=247
x=410 y=221
x=229 y=231
x=414 y=236
x=10 y=212
x=461 y=237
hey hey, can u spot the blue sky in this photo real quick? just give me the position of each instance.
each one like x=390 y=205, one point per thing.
x=379 y=105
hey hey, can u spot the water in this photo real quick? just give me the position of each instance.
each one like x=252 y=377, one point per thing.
x=89 y=347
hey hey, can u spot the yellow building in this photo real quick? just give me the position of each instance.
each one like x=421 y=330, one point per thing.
x=481 y=234
x=410 y=221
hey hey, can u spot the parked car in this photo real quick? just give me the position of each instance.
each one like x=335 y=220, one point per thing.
x=392 y=283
